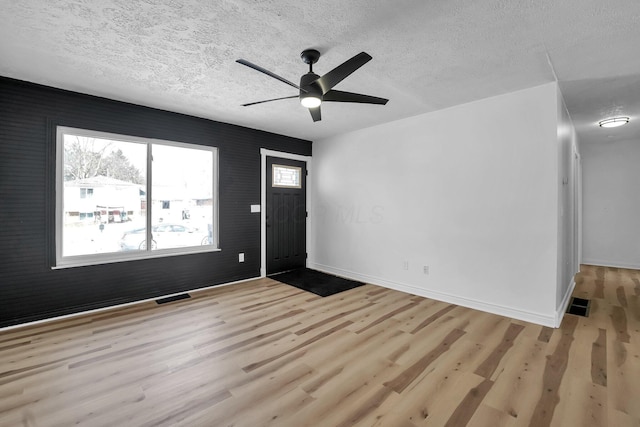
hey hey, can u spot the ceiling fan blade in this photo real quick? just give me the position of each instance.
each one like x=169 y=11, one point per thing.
x=335 y=76
x=268 y=73
x=340 y=96
x=315 y=114
x=269 y=100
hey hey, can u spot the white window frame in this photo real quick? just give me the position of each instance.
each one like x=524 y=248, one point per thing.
x=106 y=258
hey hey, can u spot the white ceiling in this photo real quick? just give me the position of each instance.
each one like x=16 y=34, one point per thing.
x=179 y=55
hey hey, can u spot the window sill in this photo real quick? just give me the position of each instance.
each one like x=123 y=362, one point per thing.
x=84 y=261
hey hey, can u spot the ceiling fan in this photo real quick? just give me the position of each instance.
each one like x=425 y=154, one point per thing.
x=314 y=90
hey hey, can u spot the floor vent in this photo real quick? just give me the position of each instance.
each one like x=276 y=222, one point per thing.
x=579 y=307
x=173 y=298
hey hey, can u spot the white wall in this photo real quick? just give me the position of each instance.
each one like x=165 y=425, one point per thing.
x=611 y=204
x=470 y=191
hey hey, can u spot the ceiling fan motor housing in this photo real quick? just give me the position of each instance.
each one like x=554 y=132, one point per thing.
x=308 y=88
x=306 y=83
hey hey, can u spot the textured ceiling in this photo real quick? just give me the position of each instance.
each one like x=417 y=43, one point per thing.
x=427 y=55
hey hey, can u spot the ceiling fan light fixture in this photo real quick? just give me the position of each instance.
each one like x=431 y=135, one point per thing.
x=310 y=100
x=614 y=122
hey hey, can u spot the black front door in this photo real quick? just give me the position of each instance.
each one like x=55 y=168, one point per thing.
x=286 y=214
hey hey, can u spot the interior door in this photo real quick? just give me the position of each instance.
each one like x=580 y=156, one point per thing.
x=286 y=214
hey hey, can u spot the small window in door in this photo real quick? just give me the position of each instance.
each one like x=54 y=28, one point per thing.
x=286 y=176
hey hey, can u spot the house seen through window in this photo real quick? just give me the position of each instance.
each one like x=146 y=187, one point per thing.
x=86 y=193
x=121 y=197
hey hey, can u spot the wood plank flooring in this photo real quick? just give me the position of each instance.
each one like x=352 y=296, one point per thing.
x=263 y=353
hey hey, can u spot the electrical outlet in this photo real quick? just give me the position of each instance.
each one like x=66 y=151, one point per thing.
x=405 y=265
x=241 y=257
x=426 y=269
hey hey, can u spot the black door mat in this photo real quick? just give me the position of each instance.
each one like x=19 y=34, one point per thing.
x=317 y=282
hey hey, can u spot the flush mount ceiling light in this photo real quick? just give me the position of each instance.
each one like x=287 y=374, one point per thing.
x=614 y=122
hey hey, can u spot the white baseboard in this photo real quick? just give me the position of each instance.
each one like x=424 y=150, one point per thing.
x=607 y=263
x=562 y=308
x=527 y=316
x=113 y=307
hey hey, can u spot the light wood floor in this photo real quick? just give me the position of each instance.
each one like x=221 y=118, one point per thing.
x=263 y=353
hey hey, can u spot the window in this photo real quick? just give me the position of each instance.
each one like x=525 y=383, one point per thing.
x=286 y=176
x=120 y=198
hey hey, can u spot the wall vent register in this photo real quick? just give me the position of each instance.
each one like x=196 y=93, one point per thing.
x=579 y=307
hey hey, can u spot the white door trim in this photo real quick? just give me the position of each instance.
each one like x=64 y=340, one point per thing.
x=264 y=153
x=578 y=208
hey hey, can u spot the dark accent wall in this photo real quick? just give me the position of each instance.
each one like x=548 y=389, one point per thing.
x=29 y=289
